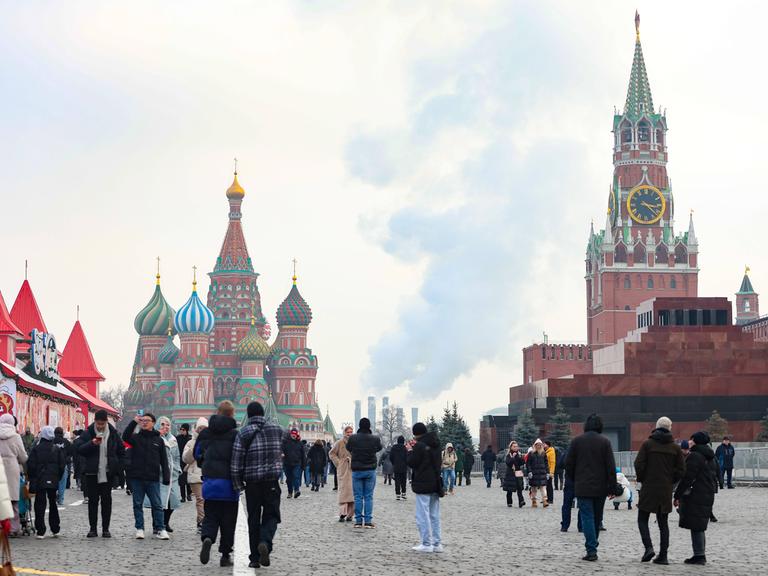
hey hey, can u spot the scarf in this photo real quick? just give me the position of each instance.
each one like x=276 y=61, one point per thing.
x=101 y=476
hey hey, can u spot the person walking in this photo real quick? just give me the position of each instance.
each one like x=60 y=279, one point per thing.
x=387 y=470
x=425 y=460
x=46 y=466
x=181 y=439
x=659 y=466
x=256 y=468
x=28 y=439
x=398 y=456
x=148 y=461
x=513 y=479
x=317 y=463
x=103 y=452
x=695 y=495
x=294 y=461
x=213 y=452
x=14 y=456
x=363 y=447
x=194 y=473
x=469 y=462
x=559 y=468
x=66 y=447
x=725 y=454
x=591 y=465
x=569 y=497
x=342 y=461
x=489 y=460
x=332 y=468
x=328 y=463
x=459 y=467
x=537 y=466
x=549 y=450
x=307 y=473
x=170 y=495
x=449 y=468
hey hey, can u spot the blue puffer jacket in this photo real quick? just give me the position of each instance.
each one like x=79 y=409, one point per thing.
x=213 y=452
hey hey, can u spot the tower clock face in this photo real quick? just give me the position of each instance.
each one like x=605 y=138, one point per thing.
x=646 y=204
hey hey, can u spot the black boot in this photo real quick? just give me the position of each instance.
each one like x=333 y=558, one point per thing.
x=661 y=558
x=226 y=560
x=649 y=553
x=700 y=560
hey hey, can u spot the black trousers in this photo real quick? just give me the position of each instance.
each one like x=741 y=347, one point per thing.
x=99 y=493
x=262 y=501
x=184 y=488
x=220 y=516
x=645 y=533
x=559 y=479
x=519 y=490
x=726 y=477
x=550 y=491
x=400 y=482
x=53 y=512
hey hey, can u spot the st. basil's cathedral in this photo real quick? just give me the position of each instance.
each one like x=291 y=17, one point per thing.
x=223 y=351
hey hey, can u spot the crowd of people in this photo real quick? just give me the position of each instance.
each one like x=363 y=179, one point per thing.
x=215 y=462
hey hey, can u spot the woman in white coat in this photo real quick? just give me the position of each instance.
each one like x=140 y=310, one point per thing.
x=13 y=456
x=194 y=473
x=170 y=496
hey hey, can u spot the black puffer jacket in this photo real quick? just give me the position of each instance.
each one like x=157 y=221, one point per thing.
x=293 y=453
x=398 y=456
x=90 y=451
x=317 y=458
x=148 y=455
x=488 y=457
x=213 y=449
x=45 y=466
x=590 y=462
x=425 y=459
x=364 y=446
x=65 y=445
x=515 y=463
x=538 y=468
x=696 y=508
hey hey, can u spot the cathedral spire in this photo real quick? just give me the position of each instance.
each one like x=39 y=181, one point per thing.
x=639 y=99
x=233 y=256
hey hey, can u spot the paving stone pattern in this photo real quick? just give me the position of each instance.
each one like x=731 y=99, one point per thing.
x=481 y=536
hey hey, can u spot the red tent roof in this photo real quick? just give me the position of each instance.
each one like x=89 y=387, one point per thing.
x=25 y=313
x=92 y=401
x=77 y=362
x=7 y=325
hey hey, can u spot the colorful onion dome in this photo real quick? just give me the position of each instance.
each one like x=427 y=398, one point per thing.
x=155 y=316
x=235 y=190
x=168 y=353
x=134 y=396
x=294 y=311
x=194 y=316
x=253 y=346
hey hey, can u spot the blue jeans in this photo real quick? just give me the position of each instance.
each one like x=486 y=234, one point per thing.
x=488 y=474
x=428 y=518
x=307 y=475
x=139 y=489
x=62 y=486
x=293 y=478
x=363 y=483
x=568 y=497
x=591 y=516
x=449 y=479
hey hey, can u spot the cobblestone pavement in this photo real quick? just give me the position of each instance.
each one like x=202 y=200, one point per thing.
x=481 y=536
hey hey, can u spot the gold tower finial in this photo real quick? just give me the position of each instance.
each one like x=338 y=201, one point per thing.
x=253 y=313
x=26 y=268
x=194 y=278
x=637 y=25
x=78 y=309
x=170 y=327
x=294 y=271
x=235 y=166
x=157 y=276
x=746 y=270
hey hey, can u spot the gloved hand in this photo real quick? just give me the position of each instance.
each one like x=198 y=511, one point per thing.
x=549 y=477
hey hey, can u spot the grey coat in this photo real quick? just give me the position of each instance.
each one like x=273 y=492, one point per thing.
x=14 y=456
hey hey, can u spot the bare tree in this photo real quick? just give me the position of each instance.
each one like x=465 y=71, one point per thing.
x=392 y=423
x=114 y=397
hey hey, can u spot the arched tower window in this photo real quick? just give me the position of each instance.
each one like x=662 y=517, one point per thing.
x=643 y=131
x=650 y=281
x=662 y=254
x=747 y=307
x=659 y=136
x=673 y=283
x=681 y=254
x=639 y=254
x=627 y=283
x=620 y=253
x=626 y=133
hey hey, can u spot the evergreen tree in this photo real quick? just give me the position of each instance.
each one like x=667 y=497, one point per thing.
x=762 y=436
x=717 y=426
x=433 y=427
x=526 y=431
x=454 y=429
x=560 y=428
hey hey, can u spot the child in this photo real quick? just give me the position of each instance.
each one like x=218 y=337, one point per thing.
x=626 y=496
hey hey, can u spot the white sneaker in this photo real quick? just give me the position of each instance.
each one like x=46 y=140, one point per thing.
x=162 y=535
x=422 y=548
x=438 y=548
x=139 y=534
x=40 y=537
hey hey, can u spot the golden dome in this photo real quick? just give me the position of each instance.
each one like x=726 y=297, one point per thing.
x=235 y=190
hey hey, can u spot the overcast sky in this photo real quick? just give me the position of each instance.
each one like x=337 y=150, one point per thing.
x=433 y=166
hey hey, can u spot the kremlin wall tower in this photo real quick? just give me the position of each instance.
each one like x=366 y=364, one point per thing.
x=223 y=351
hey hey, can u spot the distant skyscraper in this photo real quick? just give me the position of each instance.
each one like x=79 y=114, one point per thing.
x=384 y=407
x=372 y=411
x=399 y=418
x=414 y=416
x=358 y=412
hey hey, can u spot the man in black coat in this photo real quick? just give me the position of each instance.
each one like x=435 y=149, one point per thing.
x=591 y=465
x=317 y=460
x=695 y=495
x=489 y=460
x=294 y=462
x=148 y=462
x=399 y=460
x=469 y=462
x=102 y=449
x=182 y=438
x=363 y=447
x=66 y=447
x=725 y=454
x=213 y=453
x=45 y=467
x=425 y=459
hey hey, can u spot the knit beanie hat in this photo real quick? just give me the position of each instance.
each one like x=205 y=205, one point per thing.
x=700 y=438
x=419 y=429
x=665 y=423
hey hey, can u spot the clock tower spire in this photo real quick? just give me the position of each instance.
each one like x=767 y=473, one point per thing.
x=637 y=257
